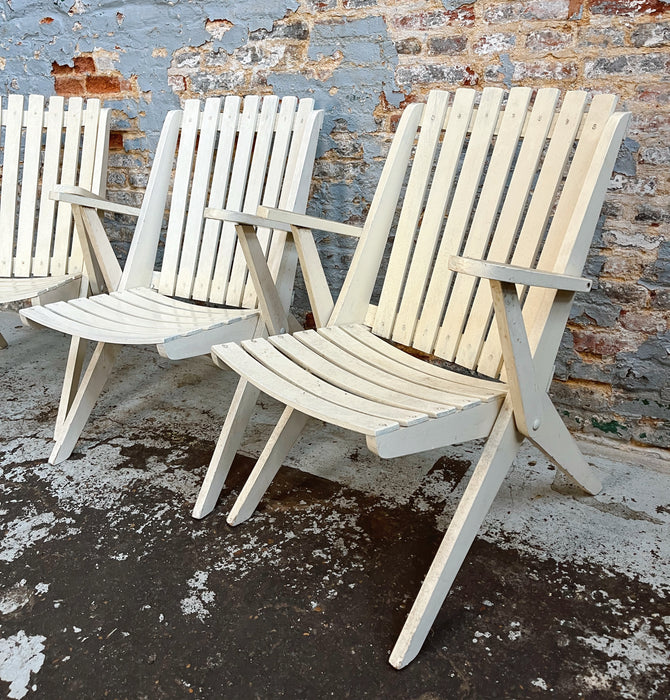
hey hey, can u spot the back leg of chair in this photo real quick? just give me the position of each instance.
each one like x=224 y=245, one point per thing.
x=494 y=463
x=3 y=342
x=75 y=362
x=237 y=419
x=94 y=379
x=283 y=437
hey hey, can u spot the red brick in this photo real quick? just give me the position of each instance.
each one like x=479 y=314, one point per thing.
x=598 y=343
x=116 y=141
x=84 y=64
x=58 y=69
x=46 y=20
x=69 y=87
x=629 y=8
x=102 y=84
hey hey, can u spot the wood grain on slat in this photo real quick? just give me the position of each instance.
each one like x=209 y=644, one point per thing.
x=199 y=186
x=10 y=180
x=539 y=209
x=412 y=208
x=235 y=198
x=484 y=217
x=54 y=121
x=433 y=216
x=458 y=218
x=217 y=196
x=540 y=119
x=252 y=196
x=32 y=146
x=68 y=176
x=181 y=187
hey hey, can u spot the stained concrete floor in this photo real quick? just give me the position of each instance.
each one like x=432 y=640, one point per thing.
x=108 y=587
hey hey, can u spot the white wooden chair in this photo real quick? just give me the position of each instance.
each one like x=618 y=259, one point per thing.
x=233 y=152
x=40 y=259
x=496 y=221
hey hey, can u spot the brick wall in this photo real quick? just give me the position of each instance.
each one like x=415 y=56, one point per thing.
x=362 y=60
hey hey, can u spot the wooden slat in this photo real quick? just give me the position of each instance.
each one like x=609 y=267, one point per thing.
x=339 y=376
x=274 y=360
x=459 y=394
x=479 y=233
x=275 y=180
x=249 y=368
x=181 y=188
x=199 y=187
x=34 y=119
x=254 y=191
x=458 y=218
x=433 y=217
x=217 y=196
x=539 y=209
x=54 y=121
x=10 y=175
x=357 y=366
x=240 y=169
x=429 y=136
x=68 y=176
x=541 y=118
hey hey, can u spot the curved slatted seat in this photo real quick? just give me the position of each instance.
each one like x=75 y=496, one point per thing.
x=499 y=196
x=233 y=152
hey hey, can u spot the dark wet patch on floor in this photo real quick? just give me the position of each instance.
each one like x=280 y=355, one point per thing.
x=132 y=598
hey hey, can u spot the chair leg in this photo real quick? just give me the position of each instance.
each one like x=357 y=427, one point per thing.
x=75 y=362
x=3 y=342
x=554 y=439
x=494 y=463
x=229 y=441
x=283 y=437
x=92 y=383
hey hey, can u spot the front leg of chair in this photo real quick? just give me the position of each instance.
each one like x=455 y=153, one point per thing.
x=229 y=441
x=75 y=362
x=282 y=439
x=94 y=379
x=495 y=461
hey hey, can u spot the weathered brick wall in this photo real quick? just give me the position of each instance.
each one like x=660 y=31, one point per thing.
x=362 y=60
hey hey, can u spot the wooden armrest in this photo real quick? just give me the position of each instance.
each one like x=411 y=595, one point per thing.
x=513 y=274
x=85 y=198
x=306 y=221
x=282 y=220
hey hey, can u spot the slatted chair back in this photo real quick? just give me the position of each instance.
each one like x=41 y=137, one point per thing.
x=502 y=182
x=65 y=143
x=234 y=154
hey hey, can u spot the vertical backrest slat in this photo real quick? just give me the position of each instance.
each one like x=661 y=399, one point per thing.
x=179 y=200
x=32 y=146
x=54 y=121
x=495 y=181
x=429 y=137
x=86 y=158
x=433 y=219
x=252 y=198
x=287 y=119
x=458 y=217
x=100 y=156
x=196 y=206
x=68 y=176
x=533 y=230
x=295 y=183
x=511 y=214
x=217 y=196
x=235 y=198
x=10 y=179
x=564 y=251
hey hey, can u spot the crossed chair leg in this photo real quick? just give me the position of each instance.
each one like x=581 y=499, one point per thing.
x=79 y=397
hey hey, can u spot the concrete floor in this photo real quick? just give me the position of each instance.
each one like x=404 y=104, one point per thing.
x=109 y=588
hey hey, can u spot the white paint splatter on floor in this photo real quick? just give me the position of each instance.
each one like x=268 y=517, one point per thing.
x=20 y=655
x=200 y=596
